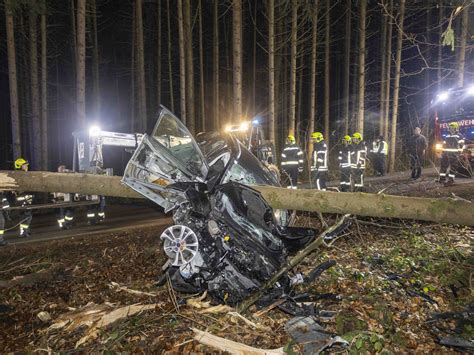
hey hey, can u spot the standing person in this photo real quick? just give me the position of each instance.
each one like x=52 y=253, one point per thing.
x=96 y=213
x=416 y=151
x=66 y=214
x=319 y=161
x=292 y=160
x=345 y=156
x=379 y=153
x=453 y=146
x=4 y=204
x=358 y=159
x=24 y=199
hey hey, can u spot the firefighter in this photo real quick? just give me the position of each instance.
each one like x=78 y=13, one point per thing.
x=24 y=199
x=292 y=160
x=319 y=161
x=345 y=156
x=453 y=145
x=379 y=155
x=358 y=157
x=66 y=214
x=4 y=204
x=96 y=213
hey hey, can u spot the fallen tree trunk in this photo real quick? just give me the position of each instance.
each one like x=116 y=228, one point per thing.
x=445 y=210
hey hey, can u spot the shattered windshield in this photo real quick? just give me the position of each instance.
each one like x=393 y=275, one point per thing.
x=173 y=135
x=247 y=170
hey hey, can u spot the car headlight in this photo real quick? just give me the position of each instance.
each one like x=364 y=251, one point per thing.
x=438 y=146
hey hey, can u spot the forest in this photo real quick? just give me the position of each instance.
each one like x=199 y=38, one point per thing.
x=297 y=66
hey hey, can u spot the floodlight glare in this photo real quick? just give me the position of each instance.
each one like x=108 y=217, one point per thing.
x=443 y=96
x=94 y=131
x=228 y=128
x=470 y=91
x=244 y=126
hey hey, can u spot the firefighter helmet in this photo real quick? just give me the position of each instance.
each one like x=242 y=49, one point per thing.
x=347 y=139
x=453 y=125
x=20 y=162
x=317 y=136
x=291 y=138
x=357 y=136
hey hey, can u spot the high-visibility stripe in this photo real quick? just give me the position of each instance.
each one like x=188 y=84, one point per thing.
x=442 y=174
x=2 y=232
x=290 y=148
x=69 y=218
x=300 y=153
x=283 y=155
x=322 y=169
x=451 y=150
x=101 y=214
x=89 y=215
x=293 y=162
x=26 y=226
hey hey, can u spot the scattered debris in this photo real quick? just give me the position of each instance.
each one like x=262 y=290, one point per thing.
x=118 y=288
x=230 y=346
x=44 y=316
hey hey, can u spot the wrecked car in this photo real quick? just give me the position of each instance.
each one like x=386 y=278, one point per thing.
x=226 y=239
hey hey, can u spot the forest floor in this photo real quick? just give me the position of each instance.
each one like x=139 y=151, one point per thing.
x=390 y=277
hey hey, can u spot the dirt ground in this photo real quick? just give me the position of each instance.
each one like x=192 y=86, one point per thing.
x=390 y=278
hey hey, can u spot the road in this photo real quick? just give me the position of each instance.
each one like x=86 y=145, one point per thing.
x=118 y=218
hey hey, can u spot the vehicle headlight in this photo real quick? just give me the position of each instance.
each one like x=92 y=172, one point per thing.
x=438 y=146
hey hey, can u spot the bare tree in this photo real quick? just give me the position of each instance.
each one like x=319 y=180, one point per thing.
x=12 y=77
x=327 y=70
x=237 y=56
x=314 y=58
x=158 y=54
x=34 y=86
x=95 y=61
x=142 y=110
x=201 y=69
x=188 y=42
x=388 y=64
x=170 y=66
x=383 y=75
x=462 y=45
x=440 y=48
x=396 y=87
x=44 y=88
x=347 y=66
x=182 y=63
x=361 y=76
x=294 y=33
x=215 y=72
x=81 y=63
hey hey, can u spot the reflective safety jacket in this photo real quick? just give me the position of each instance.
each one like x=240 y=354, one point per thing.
x=291 y=156
x=319 y=161
x=380 y=148
x=453 y=143
x=23 y=199
x=4 y=201
x=359 y=154
x=62 y=196
x=345 y=156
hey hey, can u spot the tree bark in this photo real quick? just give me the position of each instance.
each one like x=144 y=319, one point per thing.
x=383 y=49
x=237 y=56
x=347 y=66
x=13 y=82
x=201 y=71
x=95 y=63
x=81 y=63
x=142 y=110
x=271 y=71
x=361 y=100
x=396 y=88
x=170 y=66
x=462 y=45
x=312 y=97
x=133 y=120
x=44 y=90
x=327 y=70
x=182 y=64
x=440 y=47
x=188 y=42
x=34 y=87
x=294 y=33
x=158 y=54
x=448 y=210
x=215 y=72
x=388 y=63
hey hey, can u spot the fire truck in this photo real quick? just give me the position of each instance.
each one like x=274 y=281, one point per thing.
x=454 y=105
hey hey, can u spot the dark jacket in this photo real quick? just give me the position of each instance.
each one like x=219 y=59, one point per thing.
x=417 y=145
x=291 y=157
x=319 y=161
x=359 y=155
x=345 y=156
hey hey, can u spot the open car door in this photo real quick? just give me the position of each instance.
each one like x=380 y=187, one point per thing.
x=168 y=156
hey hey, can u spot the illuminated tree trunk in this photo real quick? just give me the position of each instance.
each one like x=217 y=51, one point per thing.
x=170 y=66
x=237 y=56
x=44 y=90
x=95 y=62
x=314 y=57
x=142 y=110
x=201 y=72
x=388 y=63
x=294 y=32
x=81 y=63
x=383 y=75
x=361 y=100
x=34 y=88
x=215 y=71
x=327 y=70
x=158 y=54
x=182 y=64
x=12 y=77
x=347 y=66
x=188 y=42
x=440 y=48
x=396 y=88
x=462 y=45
